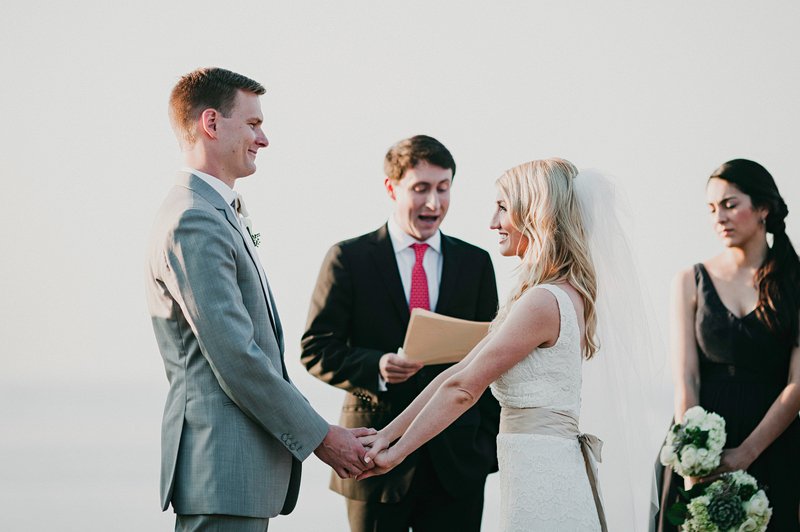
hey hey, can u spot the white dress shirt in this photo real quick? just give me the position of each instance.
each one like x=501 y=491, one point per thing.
x=406 y=257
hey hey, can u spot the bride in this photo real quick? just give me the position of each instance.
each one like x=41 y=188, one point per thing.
x=531 y=359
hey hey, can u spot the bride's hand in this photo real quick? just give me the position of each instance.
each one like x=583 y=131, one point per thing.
x=374 y=443
x=384 y=461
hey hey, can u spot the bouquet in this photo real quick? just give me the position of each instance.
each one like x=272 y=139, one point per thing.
x=693 y=448
x=731 y=504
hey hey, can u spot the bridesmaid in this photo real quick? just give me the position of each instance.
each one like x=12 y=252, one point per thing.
x=735 y=322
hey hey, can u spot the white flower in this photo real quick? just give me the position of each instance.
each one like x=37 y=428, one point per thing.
x=758 y=504
x=689 y=457
x=668 y=456
x=716 y=443
x=707 y=465
x=712 y=421
x=694 y=415
x=749 y=525
x=742 y=478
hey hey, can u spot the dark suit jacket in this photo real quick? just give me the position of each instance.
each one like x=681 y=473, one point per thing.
x=359 y=312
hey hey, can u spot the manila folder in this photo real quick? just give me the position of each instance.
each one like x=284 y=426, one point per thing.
x=433 y=338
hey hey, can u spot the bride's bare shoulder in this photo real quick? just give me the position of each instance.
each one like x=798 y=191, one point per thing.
x=538 y=307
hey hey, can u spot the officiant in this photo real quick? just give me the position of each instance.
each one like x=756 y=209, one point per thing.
x=360 y=308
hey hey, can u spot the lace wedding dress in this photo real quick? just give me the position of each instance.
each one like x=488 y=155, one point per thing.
x=543 y=478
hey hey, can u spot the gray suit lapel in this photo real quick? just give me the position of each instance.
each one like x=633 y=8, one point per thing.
x=194 y=183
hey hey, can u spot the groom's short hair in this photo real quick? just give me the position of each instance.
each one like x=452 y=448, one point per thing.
x=408 y=153
x=201 y=89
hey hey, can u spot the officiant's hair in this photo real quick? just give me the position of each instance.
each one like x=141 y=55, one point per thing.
x=408 y=153
x=201 y=89
x=541 y=202
x=778 y=278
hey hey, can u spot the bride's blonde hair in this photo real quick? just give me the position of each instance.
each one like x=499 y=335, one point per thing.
x=541 y=204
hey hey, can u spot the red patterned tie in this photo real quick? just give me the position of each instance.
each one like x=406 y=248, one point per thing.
x=419 y=281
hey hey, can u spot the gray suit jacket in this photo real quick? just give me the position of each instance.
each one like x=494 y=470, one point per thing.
x=235 y=429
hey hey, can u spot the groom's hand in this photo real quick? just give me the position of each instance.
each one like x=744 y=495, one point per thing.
x=343 y=452
x=395 y=368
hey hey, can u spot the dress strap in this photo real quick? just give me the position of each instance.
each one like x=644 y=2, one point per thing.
x=564 y=304
x=699 y=269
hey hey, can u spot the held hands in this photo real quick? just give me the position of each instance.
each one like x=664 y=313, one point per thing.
x=394 y=368
x=379 y=455
x=342 y=450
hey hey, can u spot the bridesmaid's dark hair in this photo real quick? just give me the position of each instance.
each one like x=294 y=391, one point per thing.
x=778 y=278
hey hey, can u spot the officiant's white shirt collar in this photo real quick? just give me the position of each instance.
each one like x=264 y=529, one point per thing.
x=227 y=193
x=401 y=240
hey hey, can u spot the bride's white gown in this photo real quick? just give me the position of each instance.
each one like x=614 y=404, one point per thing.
x=543 y=481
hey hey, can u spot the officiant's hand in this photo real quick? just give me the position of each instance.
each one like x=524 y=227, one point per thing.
x=395 y=368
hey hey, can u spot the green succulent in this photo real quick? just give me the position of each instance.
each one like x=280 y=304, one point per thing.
x=726 y=512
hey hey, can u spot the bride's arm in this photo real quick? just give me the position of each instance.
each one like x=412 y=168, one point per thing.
x=533 y=321
x=683 y=346
x=398 y=425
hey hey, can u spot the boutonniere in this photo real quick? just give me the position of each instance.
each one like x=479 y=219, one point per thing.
x=255 y=237
x=245 y=216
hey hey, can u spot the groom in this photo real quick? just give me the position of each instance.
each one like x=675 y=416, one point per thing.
x=357 y=321
x=235 y=428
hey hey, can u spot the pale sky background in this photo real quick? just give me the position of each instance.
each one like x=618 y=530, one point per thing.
x=657 y=94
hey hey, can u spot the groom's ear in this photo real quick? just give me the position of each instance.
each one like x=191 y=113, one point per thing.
x=389 y=184
x=208 y=122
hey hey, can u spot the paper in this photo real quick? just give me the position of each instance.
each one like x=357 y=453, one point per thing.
x=433 y=338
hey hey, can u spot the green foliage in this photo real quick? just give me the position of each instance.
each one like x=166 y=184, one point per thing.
x=690 y=436
x=678 y=513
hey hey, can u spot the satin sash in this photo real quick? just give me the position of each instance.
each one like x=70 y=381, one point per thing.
x=562 y=425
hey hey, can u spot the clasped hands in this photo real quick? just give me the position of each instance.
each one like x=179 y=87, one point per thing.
x=357 y=453
x=379 y=455
x=361 y=452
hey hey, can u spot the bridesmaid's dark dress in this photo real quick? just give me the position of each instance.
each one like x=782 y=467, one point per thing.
x=743 y=369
